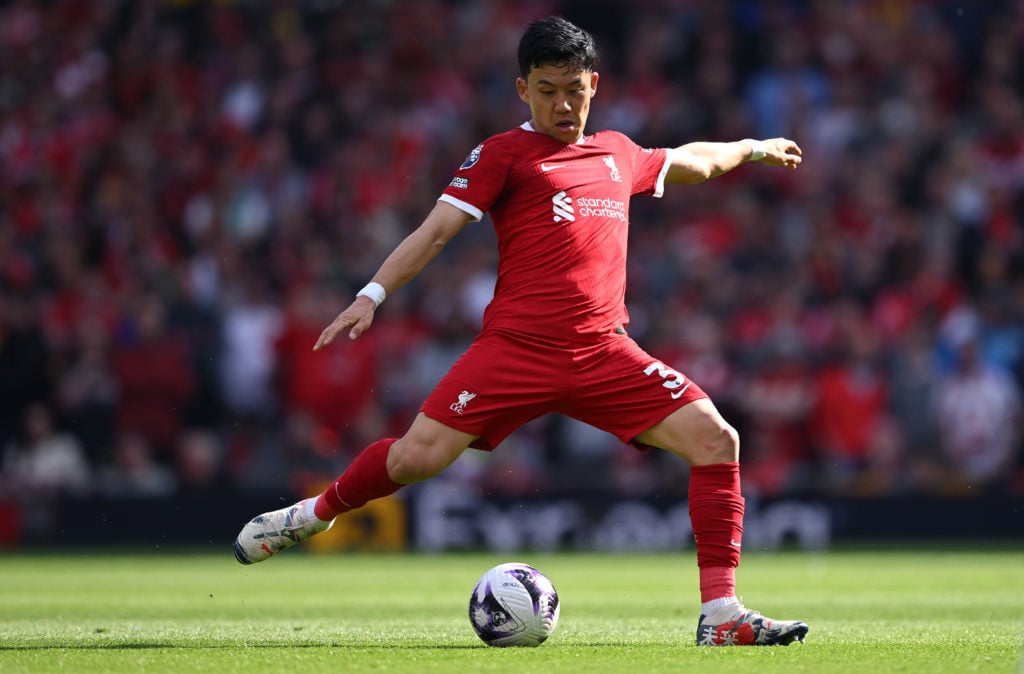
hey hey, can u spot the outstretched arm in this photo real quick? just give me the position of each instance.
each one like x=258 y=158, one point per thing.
x=405 y=262
x=696 y=162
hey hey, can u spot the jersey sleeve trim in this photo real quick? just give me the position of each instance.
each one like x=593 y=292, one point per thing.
x=475 y=213
x=659 y=185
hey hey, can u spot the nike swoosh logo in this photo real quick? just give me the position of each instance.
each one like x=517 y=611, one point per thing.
x=678 y=394
x=733 y=543
x=550 y=167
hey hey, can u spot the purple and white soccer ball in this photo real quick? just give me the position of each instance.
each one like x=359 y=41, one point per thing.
x=514 y=604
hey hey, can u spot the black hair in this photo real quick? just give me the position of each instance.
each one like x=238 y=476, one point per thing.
x=555 y=41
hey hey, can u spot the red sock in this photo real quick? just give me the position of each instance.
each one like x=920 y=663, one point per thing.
x=716 y=513
x=366 y=479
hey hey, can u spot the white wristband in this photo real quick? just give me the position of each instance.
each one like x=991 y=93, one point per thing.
x=374 y=291
x=757 y=149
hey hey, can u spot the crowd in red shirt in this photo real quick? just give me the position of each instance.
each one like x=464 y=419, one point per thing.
x=190 y=191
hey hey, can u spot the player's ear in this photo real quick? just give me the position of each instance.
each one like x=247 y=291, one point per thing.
x=594 y=77
x=521 y=87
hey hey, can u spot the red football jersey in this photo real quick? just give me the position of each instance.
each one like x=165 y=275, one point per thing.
x=561 y=213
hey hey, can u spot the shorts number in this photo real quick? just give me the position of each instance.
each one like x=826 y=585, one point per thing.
x=674 y=381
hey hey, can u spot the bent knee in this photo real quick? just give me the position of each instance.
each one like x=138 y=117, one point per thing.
x=718 y=442
x=729 y=445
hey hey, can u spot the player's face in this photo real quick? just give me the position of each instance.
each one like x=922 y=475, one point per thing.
x=559 y=100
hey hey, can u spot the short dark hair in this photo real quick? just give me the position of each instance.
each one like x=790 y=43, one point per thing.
x=555 y=41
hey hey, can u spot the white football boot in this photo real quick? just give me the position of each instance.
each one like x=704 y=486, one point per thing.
x=737 y=626
x=272 y=532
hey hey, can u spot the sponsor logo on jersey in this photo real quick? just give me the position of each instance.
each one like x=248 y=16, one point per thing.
x=563 y=207
x=586 y=207
x=473 y=157
x=459 y=182
x=592 y=207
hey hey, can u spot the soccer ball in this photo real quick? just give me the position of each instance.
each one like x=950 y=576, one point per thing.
x=514 y=604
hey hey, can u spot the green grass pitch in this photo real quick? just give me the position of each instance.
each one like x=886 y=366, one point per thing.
x=869 y=611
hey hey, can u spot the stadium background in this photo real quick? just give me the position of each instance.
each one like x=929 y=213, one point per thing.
x=190 y=191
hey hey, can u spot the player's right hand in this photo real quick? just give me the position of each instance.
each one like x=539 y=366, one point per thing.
x=356 y=319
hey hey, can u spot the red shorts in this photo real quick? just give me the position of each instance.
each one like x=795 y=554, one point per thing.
x=504 y=381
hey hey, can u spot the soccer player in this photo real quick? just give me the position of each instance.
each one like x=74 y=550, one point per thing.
x=554 y=336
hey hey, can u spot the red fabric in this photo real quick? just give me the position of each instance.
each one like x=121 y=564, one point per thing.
x=365 y=480
x=157 y=382
x=716 y=513
x=334 y=385
x=717 y=582
x=544 y=195
x=611 y=384
x=851 y=406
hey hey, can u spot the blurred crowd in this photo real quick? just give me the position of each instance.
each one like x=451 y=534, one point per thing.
x=191 y=191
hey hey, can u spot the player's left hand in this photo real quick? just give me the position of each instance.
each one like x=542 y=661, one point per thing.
x=782 y=152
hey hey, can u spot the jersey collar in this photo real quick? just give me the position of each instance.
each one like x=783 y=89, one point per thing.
x=526 y=126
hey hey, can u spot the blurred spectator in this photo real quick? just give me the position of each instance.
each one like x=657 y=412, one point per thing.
x=776 y=403
x=87 y=392
x=199 y=459
x=913 y=382
x=44 y=458
x=789 y=89
x=849 y=411
x=25 y=361
x=330 y=385
x=154 y=375
x=189 y=192
x=250 y=325
x=308 y=453
x=133 y=471
x=979 y=417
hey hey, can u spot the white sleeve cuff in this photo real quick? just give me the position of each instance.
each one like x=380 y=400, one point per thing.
x=475 y=213
x=659 y=185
